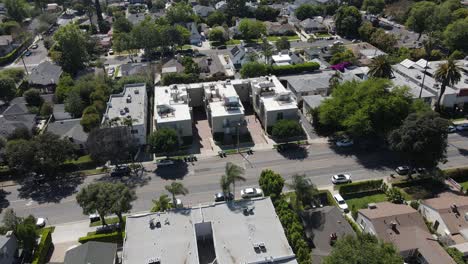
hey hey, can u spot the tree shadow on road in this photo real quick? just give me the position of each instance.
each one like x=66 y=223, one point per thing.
x=172 y=172
x=294 y=152
x=4 y=203
x=132 y=181
x=375 y=158
x=49 y=191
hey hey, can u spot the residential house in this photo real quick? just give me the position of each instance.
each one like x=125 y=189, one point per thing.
x=319 y=226
x=281 y=59
x=53 y=8
x=92 y=252
x=103 y=40
x=201 y=235
x=70 y=129
x=195 y=36
x=308 y=84
x=131 y=69
x=271 y=101
x=8 y=248
x=131 y=104
x=403 y=226
x=221 y=5
x=448 y=215
x=241 y=54
x=3 y=9
x=313 y=25
x=172 y=110
x=172 y=66
x=6 y=45
x=279 y=29
x=213 y=66
x=364 y=52
x=45 y=76
x=203 y=11
x=310 y=102
x=59 y=112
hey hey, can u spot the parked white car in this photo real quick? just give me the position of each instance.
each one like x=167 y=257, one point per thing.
x=341 y=178
x=462 y=127
x=251 y=192
x=345 y=143
x=341 y=202
x=165 y=162
x=40 y=222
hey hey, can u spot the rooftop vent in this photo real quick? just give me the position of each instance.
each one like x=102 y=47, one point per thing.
x=372 y=206
x=154 y=261
x=136 y=91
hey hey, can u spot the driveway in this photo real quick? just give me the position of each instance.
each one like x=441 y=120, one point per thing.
x=202 y=132
x=66 y=236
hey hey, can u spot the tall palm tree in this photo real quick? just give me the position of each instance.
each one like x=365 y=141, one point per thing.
x=234 y=173
x=448 y=74
x=225 y=185
x=429 y=45
x=267 y=50
x=161 y=204
x=304 y=188
x=174 y=189
x=380 y=67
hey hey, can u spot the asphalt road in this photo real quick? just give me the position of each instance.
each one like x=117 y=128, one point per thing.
x=57 y=201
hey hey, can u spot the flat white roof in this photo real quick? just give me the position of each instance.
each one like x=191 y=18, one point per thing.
x=281 y=58
x=234 y=234
x=271 y=100
x=171 y=104
x=219 y=93
x=129 y=103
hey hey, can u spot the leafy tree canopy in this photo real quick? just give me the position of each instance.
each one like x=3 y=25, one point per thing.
x=308 y=11
x=286 y=128
x=348 y=20
x=164 y=140
x=271 y=183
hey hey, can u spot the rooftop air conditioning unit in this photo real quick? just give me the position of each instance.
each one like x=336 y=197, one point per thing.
x=137 y=91
x=372 y=206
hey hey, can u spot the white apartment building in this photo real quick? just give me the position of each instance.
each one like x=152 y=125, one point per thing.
x=131 y=104
x=172 y=109
x=224 y=109
x=271 y=101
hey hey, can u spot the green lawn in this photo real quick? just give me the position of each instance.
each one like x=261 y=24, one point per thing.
x=423 y=190
x=362 y=202
x=322 y=35
x=464 y=185
x=233 y=42
x=109 y=221
x=82 y=159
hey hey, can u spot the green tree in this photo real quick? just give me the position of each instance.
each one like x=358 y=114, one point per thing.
x=234 y=173
x=216 y=18
x=50 y=151
x=344 y=56
x=20 y=133
x=456 y=35
x=46 y=109
x=366 y=30
x=217 y=34
x=348 y=20
x=122 y=198
x=448 y=74
x=73 y=104
x=90 y=121
x=164 y=140
x=26 y=233
x=251 y=29
x=17 y=9
x=370 y=108
x=64 y=86
x=271 y=183
x=236 y=8
x=380 y=67
x=373 y=6
x=10 y=220
x=308 y=11
x=179 y=13
x=162 y=204
x=176 y=188
x=115 y=144
x=97 y=198
x=253 y=69
x=283 y=43
x=146 y=35
x=7 y=89
x=33 y=97
x=421 y=139
x=383 y=41
x=370 y=249
x=266 y=13
x=267 y=50
x=19 y=154
x=420 y=18
x=71 y=47
x=394 y=195
x=122 y=25
x=285 y=129
x=304 y=189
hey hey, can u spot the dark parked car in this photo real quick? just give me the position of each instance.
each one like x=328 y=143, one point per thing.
x=120 y=171
x=221 y=197
x=402 y=170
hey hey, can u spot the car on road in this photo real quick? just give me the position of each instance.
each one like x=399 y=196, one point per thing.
x=120 y=170
x=94 y=218
x=28 y=53
x=34 y=46
x=165 y=162
x=251 y=192
x=110 y=71
x=462 y=127
x=341 y=202
x=402 y=170
x=179 y=203
x=221 y=197
x=344 y=143
x=111 y=52
x=341 y=178
x=40 y=222
x=452 y=129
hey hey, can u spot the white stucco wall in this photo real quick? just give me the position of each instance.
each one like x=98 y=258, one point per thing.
x=432 y=216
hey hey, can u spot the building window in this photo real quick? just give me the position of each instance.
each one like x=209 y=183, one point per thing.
x=436 y=225
x=134 y=131
x=279 y=116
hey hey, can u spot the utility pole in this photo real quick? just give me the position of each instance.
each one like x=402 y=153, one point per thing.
x=424 y=77
x=24 y=64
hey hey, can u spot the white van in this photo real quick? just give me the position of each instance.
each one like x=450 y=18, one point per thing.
x=341 y=202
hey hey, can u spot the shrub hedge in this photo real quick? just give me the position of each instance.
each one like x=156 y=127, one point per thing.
x=294 y=230
x=40 y=254
x=114 y=237
x=357 y=187
x=353 y=224
x=292 y=69
x=14 y=54
x=458 y=174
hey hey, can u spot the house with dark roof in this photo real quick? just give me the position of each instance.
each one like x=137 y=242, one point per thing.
x=130 y=69
x=202 y=10
x=8 y=248
x=92 y=252
x=279 y=29
x=211 y=66
x=313 y=25
x=319 y=225
x=45 y=76
x=448 y=214
x=70 y=129
x=403 y=226
x=311 y=102
x=241 y=54
x=195 y=36
x=172 y=66
x=6 y=45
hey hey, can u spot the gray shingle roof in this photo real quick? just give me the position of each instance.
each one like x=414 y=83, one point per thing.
x=313 y=101
x=8 y=247
x=133 y=68
x=45 y=74
x=70 y=128
x=92 y=253
x=60 y=113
